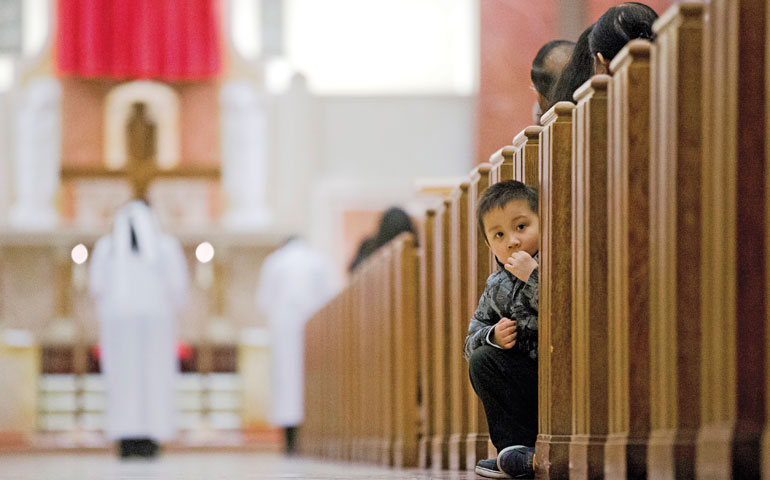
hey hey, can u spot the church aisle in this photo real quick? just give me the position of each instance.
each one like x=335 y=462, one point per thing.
x=198 y=466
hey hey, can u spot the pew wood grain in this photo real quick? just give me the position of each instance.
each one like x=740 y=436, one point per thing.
x=676 y=177
x=589 y=280
x=526 y=156
x=554 y=335
x=628 y=262
x=476 y=446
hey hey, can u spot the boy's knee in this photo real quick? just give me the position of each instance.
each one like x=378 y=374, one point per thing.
x=480 y=360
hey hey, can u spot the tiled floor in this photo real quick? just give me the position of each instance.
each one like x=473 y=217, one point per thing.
x=197 y=466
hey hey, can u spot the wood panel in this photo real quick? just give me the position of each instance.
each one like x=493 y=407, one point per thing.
x=406 y=409
x=526 y=156
x=554 y=336
x=501 y=164
x=348 y=366
x=628 y=262
x=427 y=285
x=386 y=353
x=589 y=280
x=734 y=372
x=459 y=316
x=440 y=337
x=476 y=445
x=676 y=175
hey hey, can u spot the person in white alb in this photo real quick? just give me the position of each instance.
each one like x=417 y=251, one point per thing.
x=294 y=282
x=138 y=278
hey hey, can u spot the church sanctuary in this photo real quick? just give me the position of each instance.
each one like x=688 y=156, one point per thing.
x=201 y=276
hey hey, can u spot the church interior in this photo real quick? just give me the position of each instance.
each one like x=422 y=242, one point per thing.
x=245 y=122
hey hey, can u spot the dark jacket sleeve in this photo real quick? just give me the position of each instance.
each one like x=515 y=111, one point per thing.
x=483 y=320
x=526 y=313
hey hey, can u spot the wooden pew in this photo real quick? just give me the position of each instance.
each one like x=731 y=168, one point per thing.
x=387 y=351
x=479 y=268
x=439 y=337
x=427 y=285
x=405 y=334
x=360 y=414
x=526 y=156
x=322 y=349
x=628 y=262
x=589 y=280
x=734 y=304
x=369 y=364
x=554 y=335
x=501 y=164
x=459 y=315
x=335 y=412
x=348 y=377
x=676 y=177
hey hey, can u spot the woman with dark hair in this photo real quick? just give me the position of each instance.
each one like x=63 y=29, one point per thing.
x=599 y=44
x=618 y=26
x=393 y=222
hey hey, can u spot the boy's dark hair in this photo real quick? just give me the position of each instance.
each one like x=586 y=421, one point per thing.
x=619 y=25
x=502 y=193
x=548 y=64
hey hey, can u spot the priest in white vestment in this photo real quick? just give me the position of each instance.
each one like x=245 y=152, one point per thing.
x=139 y=281
x=295 y=281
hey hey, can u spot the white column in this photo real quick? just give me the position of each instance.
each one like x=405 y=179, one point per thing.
x=244 y=156
x=37 y=156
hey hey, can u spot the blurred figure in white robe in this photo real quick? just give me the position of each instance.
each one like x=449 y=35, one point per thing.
x=138 y=278
x=295 y=281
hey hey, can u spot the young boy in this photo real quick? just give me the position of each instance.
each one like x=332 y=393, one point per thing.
x=501 y=346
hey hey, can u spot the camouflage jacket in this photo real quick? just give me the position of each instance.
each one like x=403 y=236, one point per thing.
x=506 y=296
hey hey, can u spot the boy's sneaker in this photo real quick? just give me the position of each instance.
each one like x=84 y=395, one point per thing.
x=488 y=468
x=517 y=461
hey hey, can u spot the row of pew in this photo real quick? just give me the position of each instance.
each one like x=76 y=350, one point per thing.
x=653 y=332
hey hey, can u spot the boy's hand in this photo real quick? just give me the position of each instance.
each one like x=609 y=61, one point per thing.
x=505 y=333
x=521 y=265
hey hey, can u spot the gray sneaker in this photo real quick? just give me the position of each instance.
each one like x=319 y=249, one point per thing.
x=517 y=461
x=488 y=468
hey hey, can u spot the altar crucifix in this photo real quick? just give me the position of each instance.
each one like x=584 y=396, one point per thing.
x=141 y=167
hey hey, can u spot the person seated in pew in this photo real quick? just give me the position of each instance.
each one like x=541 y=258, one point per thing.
x=393 y=222
x=501 y=346
x=546 y=69
x=366 y=248
x=600 y=43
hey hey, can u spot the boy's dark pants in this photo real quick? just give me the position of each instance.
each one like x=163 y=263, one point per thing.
x=506 y=383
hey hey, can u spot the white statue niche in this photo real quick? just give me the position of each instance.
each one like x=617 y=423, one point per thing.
x=244 y=155
x=38 y=156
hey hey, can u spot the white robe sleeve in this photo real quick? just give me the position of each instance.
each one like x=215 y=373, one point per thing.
x=267 y=284
x=175 y=271
x=98 y=273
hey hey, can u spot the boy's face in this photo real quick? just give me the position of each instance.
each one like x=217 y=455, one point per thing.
x=511 y=229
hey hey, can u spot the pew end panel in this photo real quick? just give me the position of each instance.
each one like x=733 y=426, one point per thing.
x=502 y=164
x=676 y=173
x=458 y=315
x=628 y=261
x=554 y=336
x=479 y=261
x=526 y=156
x=589 y=279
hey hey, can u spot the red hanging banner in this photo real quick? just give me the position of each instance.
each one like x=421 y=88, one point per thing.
x=168 y=40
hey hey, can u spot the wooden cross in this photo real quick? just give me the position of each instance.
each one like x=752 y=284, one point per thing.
x=141 y=168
